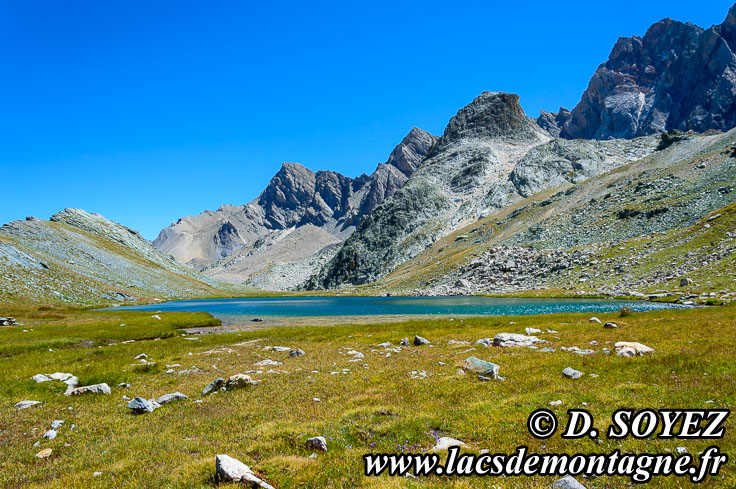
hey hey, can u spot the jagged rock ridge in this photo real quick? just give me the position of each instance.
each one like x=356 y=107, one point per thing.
x=276 y=239
x=678 y=76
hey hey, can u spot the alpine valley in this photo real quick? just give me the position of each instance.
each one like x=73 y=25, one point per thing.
x=631 y=192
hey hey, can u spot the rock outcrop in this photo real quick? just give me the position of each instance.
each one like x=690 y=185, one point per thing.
x=280 y=238
x=678 y=76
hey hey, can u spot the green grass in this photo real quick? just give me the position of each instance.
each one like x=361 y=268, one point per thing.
x=266 y=426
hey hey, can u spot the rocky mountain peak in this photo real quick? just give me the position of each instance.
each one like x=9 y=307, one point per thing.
x=292 y=186
x=415 y=146
x=677 y=76
x=491 y=115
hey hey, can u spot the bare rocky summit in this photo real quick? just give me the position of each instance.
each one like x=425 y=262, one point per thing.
x=678 y=76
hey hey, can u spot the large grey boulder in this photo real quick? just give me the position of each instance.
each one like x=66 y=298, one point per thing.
x=481 y=367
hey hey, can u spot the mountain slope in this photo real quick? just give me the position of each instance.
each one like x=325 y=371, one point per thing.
x=642 y=227
x=277 y=239
x=84 y=258
x=490 y=157
x=678 y=76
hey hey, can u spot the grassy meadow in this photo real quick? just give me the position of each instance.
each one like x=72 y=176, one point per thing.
x=369 y=405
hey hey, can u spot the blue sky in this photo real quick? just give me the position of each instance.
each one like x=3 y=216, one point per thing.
x=149 y=111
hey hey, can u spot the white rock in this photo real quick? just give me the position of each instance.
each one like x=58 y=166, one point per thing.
x=57 y=423
x=89 y=389
x=167 y=398
x=50 y=435
x=265 y=363
x=514 y=339
x=631 y=349
x=228 y=469
x=26 y=404
x=532 y=330
x=594 y=320
x=567 y=482
x=446 y=442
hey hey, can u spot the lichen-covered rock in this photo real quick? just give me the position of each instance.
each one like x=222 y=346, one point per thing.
x=318 y=443
x=481 y=367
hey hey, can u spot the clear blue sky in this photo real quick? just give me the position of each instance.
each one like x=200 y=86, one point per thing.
x=149 y=111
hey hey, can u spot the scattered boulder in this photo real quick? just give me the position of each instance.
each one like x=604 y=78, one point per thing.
x=631 y=349
x=89 y=389
x=532 y=330
x=481 y=367
x=506 y=340
x=140 y=406
x=297 y=352
x=318 y=443
x=46 y=452
x=228 y=469
x=610 y=325
x=567 y=482
x=572 y=373
x=167 y=398
x=684 y=282
x=594 y=320
x=26 y=404
x=404 y=342
x=57 y=423
x=238 y=381
x=8 y=321
x=214 y=386
x=267 y=362
x=446 y=442
x=419 y=341
x=49 y=435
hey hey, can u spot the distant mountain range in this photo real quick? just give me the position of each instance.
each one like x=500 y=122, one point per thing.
x=655 y=112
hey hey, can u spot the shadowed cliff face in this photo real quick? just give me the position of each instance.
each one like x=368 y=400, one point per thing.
x=327 y=205
x=678 y=76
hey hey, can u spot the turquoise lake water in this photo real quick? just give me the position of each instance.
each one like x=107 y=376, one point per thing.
x=250 y=308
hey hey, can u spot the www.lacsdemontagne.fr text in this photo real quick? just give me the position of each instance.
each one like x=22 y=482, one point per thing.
x=639 y=467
